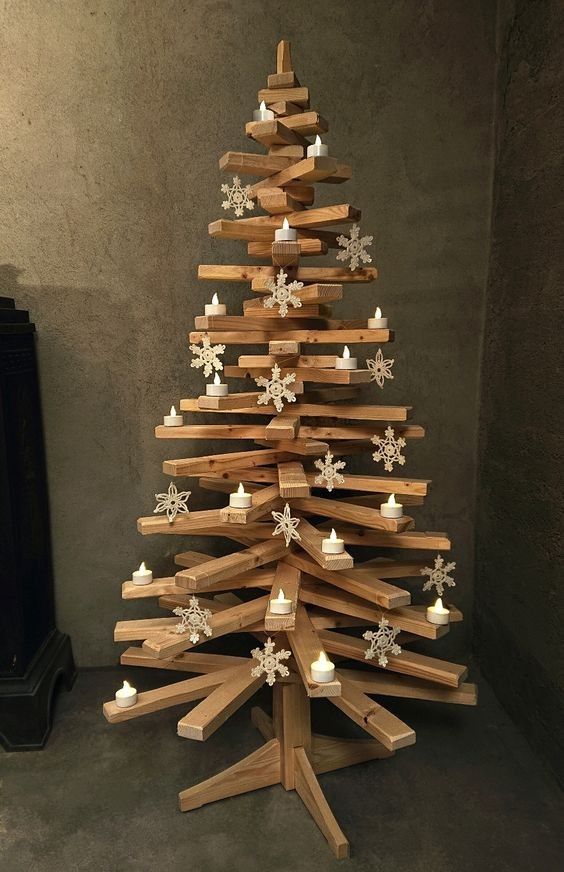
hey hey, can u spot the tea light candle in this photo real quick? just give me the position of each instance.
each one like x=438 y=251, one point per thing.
x=346 y=361
x=318 y=149
x=218 y=389
x=285 y=233
x=333 y=545
x=142 y=575
x=377 y=322
x=215 y=307
x=262 y=113
x=172 y=419
x=126 y=696
x=281 y=605
x=240 y=499
x=322 y=670
x=391 y=509
x=437 y=614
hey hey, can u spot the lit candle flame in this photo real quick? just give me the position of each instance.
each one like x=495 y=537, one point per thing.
x=240 y=489
x=318 y=139
x=262 y=106
x=142 y=567
x=285 y=224
x=281 y=597
x=392 y=500
x=216 y=379
x=333 y=536
x=322 y=657
x=215 y=300
x=172 y=410
x=439 y=604
x=346 y=352
x=126 y=686
x=378 y=312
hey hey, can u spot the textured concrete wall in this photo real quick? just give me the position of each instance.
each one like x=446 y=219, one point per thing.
x=113 y=116
x=519 y=596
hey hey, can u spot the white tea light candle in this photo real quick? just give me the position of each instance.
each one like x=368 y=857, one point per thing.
x=142 y=575
x=217 y=389
x=281 y=605
x=377 y=322
x=240 y=499
x=262 y=113
x=285 y=233
x=126 y=696
x=318 y=149
x=346 y=361
x=172 y=419
x=391 y=508
x=437 y=614
x=333 y=545
x=322 y=670
x=215 y=307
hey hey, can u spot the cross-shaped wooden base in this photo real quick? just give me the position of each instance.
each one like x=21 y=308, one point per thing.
x=291 y=756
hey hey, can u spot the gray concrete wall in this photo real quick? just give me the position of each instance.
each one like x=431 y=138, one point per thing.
x=519 y=606
x=113 y=116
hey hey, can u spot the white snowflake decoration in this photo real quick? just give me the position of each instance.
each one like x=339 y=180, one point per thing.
x=380 y=369
x=329 y=472
x=389 y=449
x=207 y=356
x=276 y=389
x=286 y=525
x=172 y=502
x=269 y=662
x=237 y=197
x=439 y=575
x=282 y=294
x=353 y=248
x=194 y=620
x=382 y=642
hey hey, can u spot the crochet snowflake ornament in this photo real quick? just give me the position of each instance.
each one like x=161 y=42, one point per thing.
x=276 y=389
x=380 y=369
x=329 y=472
x=282 y=295
x=286 y=525
x=172 y=502
x=207 y=356
x=439 y=575
x=354 y=247
x=237 y=197
x=269 y=662
x=194 y=620
x=382 y=642
x=389 y=449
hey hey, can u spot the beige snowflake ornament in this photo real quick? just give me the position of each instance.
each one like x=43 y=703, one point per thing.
x=237 y=197
x=354 y=247
x=286 y=525
x=388 y=449
x=380 y=369
x=207 y=356
x=282 y=295
x=173 y=502
x=276 y=389
x=329 y=474
x=270 y=662
x=382 y=642
x=194 y=620
x=439 y=575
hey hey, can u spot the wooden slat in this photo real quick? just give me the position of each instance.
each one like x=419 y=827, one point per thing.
x=306 y=647
x=288 y=579
x=409 y=688
x=329 y=753
x=307 y=248
x=308 y=123
x=263 y=502
x=292 y=480
x=303 y=447
x=274 y=132
x=317 y=337
x=200 y=577
x=310 y=541
x=203 y=720
x=237 y=273
x=218 y=462
x=372 y=717
x=308 y=789
x=328 y=410
x=276 y=201
x=212 y=431
x=321 y=376
x=354 y=535
x=311 y=169
x=338 y=510
x=283 y=80
x=299 y=96
x=186 y=661
x=231 y=401
x=262 y=165
x=282 y=427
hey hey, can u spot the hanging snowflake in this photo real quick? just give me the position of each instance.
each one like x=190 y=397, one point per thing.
x=194 y=620
x=382 y=642
x=380 y=369
x=354 y=247
x=389 y=449
x=207 y=356
x=439 y=575
x=286 y=525
x=329 y=474
x=282 y=294
x=237 y=197
x=269 y=662
x=172 y=502
x=276 y=389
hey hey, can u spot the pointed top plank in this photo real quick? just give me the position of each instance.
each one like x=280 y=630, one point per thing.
x=283 y=57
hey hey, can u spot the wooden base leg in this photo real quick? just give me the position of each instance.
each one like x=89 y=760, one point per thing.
x=309 y=791
x=259 y=769
x=329 y=753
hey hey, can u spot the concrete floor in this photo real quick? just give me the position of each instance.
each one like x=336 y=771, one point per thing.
x=469 y=795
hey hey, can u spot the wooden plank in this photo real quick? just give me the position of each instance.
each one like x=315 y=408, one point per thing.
x=186 y=661
x=287 y=579
x=310 y=541
x=372 y=717
x=237 y=273
x=276 y=201
x=231 y=401
x=262 y=165
x=309 y=791
x=324 y=216
x=282 y=427
x=296 y=151
x=352 y=412
x=292 y=480
x=179 y=693
x=212 y=431
x=158 y=587
x=303 y=374
x=410 y=688
x=291 y=723
x=299 y=96
x=307 y=248
x=308 y=123
x=329 y=753
x=274 y=132
x=338 y=510
x=263 y=502
x=310 y=335
x=303 y=447
x=203 y=720
x=218 y=462
x=200 y=577
x=412 y=539
x=311 y=169
x=259 y=769
x=306 y=647
x=283 y=80
x=285 y=108
x=283 y=57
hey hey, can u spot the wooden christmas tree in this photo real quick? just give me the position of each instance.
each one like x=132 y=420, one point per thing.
x=291 y=584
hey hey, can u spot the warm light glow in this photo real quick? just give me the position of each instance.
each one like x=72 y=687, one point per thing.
x=318 y=139
x=172 y=410
x=346 y=352
x=262 y=106
x=285 y=225
x=142 y=567
x=240 y=489
x=322 y=657
x=378 y=312
x=126 y=686
x=280 y=598
x=215 y=300
x=439 y=604
x=216 y=379
x=392 y=500
x=333 y=536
